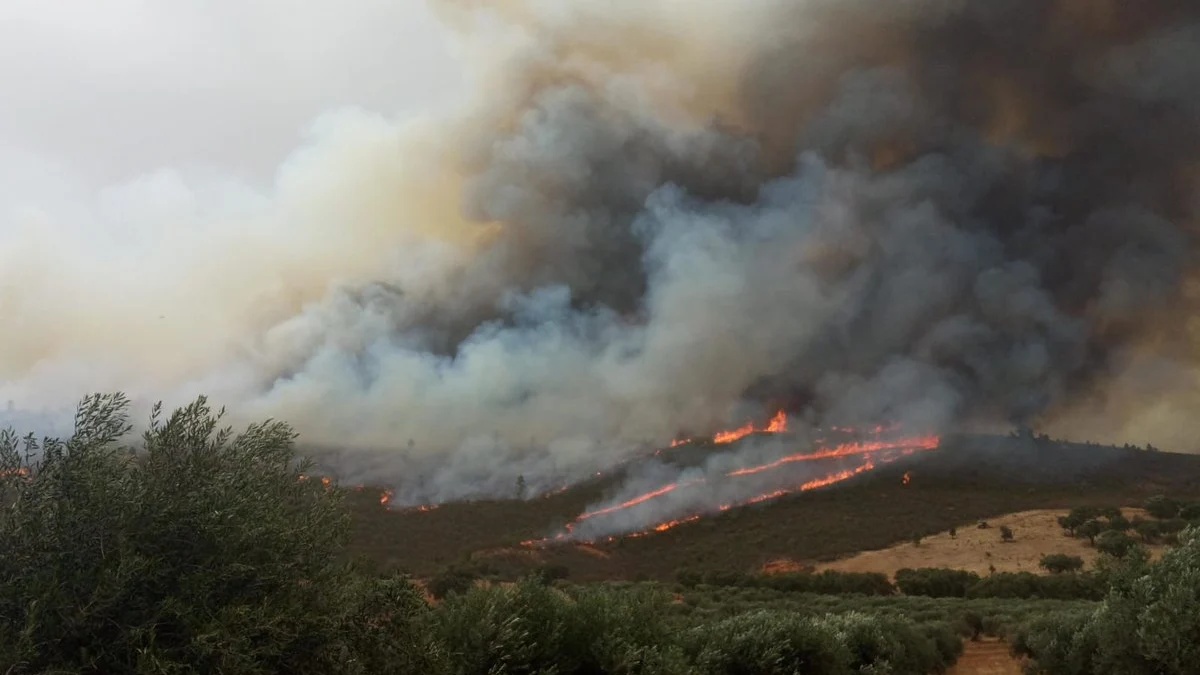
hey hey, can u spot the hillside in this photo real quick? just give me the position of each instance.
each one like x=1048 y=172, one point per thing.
x=967 y=479
x=982 y=550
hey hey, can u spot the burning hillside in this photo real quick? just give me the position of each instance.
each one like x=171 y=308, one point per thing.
x=661 y=216
x=727 y=481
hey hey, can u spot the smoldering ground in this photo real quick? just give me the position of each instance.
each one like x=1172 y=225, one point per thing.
x=659 y=217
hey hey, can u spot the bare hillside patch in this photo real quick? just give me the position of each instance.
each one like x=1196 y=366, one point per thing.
x=1035 y=533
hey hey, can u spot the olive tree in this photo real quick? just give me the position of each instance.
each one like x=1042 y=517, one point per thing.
x=195 y=550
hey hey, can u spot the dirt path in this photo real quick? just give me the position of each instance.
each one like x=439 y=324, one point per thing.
x=986 y=657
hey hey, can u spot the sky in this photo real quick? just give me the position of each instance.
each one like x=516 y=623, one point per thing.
x=100 y=92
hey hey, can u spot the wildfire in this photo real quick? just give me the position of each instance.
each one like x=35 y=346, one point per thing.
x=874 y=453
x=385 y=497
x=777 y=425
x=843 y=450
x=906 y=478
x=20 y=471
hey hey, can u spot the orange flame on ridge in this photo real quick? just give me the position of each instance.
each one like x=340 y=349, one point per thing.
x=891 y=450
x=777 y=425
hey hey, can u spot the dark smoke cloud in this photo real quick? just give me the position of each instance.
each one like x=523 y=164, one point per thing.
x=660 y=219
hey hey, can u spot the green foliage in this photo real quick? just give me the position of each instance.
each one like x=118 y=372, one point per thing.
x=829 y=582
x=935 y=582
x=1162 y=507
x=1149 y=530
x=1077 y=517
x=1061 y=643
x=1065 y=586
x=1057 y=563
x=453 y=579
x=550 y=573
x=769 y=643
x=1147 y=623
x=1091 y=529
x=199 y=551
x=1114 y=543
x=532 y=628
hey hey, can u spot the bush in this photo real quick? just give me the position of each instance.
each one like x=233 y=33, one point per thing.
x=1091 y=529
x=1190 y=512
x=769 y=643
x=1147 y=623
x=451 y=580
x=1059 y=643
x=1149 y=530
x=1162 y=507
x=1006 y=533
x=1057 y=563
x=1025 y=585
x=935 y=582
x=551 y=572
x=198 y=551
x=1077 y=517
x=875 y=643
x=827 y=582
x=1114 y=543
x=531 y=628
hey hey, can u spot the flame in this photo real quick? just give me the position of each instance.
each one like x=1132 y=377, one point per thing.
x=777 y=425
x=906 y=478
x=722 y=437
x=638 y=500
x=843 y=450
x=385 y=497
x=20 y=471
x=873 y=452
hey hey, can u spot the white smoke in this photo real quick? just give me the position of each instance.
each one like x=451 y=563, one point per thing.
x=619 y=233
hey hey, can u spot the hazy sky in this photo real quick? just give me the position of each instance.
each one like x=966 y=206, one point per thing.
x=97 y=92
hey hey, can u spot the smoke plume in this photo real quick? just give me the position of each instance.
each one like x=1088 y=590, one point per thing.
x=656 y=218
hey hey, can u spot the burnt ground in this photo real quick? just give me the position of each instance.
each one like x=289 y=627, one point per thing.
x=969 y=478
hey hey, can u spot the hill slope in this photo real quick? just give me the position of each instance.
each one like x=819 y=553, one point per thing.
x=964 y=481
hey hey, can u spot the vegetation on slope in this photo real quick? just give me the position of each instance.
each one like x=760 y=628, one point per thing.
x=198 y=550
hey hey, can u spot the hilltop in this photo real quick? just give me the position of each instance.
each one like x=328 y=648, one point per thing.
x=966 y=479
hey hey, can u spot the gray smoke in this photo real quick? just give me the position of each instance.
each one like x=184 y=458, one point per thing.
x=655 y=219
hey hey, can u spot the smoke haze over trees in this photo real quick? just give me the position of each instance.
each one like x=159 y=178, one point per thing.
x=653 y=218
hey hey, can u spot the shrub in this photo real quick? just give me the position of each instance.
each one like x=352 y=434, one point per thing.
x=532 y=628
x=1059 y=643
x=451 y=580
x=1149 y=530
x=935 y=582
x=1006 y=533
x=551 y=572
x=1147 y=623
x=1162 y=507
x=1114 y=543
x=1057 y=563
x=688 y=578
x=1077 y=517
x=1190 y=511
x=1025 y=585
x=877 y=643
x=827 y=582
x=769 y=643
x=197 y=551
x=1091 y=529
x=1119 y=523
